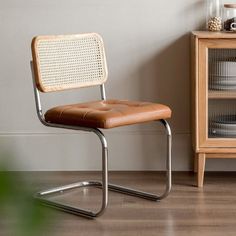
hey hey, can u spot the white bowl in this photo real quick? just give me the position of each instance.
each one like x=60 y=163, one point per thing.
x=222 y=87
x=220 y=132
x=223 y=68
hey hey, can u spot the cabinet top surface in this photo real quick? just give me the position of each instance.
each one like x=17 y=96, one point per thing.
x=214 y=35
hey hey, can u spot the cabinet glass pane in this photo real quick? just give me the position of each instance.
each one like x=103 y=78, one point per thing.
x=222 y=93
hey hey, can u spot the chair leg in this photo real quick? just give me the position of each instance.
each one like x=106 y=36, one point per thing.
x=104 y=184
x=150 y=196
x=41 y=196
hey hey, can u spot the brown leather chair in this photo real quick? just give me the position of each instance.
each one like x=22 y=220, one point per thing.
x=76 y=61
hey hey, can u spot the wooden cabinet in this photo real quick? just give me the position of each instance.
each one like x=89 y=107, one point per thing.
x=213 y=97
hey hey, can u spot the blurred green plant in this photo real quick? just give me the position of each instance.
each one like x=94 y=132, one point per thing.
x=20 y=214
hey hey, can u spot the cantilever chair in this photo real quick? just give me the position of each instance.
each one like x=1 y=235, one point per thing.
x=76 y=61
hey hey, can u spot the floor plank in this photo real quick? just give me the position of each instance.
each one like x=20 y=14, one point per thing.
x=187 y=211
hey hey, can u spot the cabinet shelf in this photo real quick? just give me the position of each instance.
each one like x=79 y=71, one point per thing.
x=221 y=94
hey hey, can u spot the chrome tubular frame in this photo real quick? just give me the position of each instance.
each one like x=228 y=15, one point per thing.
x=103 y=92
x=41 y=196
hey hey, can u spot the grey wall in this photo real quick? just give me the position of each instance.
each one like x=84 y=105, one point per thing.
x=147 y=46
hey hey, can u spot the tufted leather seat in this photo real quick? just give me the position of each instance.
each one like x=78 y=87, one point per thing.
x=107 y=114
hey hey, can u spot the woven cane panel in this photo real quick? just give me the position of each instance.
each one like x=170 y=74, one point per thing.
x=70 y=62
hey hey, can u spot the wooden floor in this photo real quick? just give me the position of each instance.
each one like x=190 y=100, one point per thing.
x=187 y=211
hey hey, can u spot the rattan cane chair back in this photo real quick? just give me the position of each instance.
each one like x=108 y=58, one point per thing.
x=68 y=61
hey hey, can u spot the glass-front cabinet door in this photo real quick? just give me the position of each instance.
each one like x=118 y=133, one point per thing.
x=217 y=93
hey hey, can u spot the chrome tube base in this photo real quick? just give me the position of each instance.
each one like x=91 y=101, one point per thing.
x=42 y=196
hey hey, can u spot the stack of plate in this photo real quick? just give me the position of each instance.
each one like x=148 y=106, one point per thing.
x=222 y=75
x=224 y=126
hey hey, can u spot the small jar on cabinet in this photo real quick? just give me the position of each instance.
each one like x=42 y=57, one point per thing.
x=214 y=15
x=230 y=17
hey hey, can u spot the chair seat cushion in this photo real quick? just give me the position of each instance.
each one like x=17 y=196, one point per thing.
x=107 y=114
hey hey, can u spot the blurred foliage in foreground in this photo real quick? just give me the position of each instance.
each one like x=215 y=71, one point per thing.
x=20 y=214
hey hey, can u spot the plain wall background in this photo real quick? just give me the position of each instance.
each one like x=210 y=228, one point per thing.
x=148 y=52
